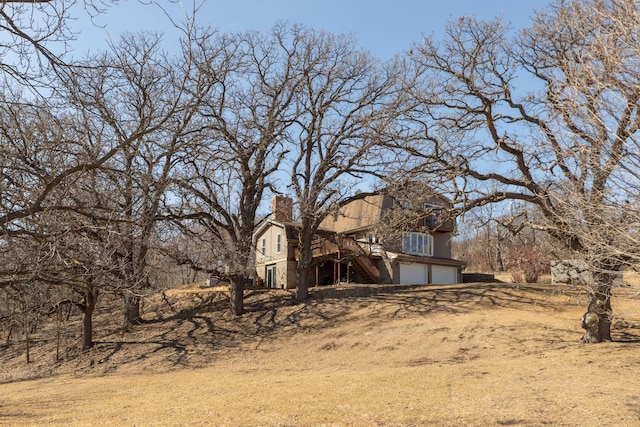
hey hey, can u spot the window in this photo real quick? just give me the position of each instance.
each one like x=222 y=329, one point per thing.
x=432 y=220
x=417 y=244
x=278 y=243
x=263 y=248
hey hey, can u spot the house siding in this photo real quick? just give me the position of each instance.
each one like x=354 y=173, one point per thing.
x=356 y=215
x=272 y=258
x=441 y=245
x=385 y=265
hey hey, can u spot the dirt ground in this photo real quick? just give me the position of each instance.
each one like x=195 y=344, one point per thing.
x=460 y=355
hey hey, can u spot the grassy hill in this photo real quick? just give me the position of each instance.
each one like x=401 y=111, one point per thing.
x=476 y=354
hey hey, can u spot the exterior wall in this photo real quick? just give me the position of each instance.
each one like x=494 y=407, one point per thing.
x=385 y=266
x=355 y=215
x=284 y=267
x=271 y=254
x=442 y=245
x=290 y=282
x=368 y=212
x=285 y=277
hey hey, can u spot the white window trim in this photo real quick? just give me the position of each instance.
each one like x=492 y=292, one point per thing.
x=424 y=241
x=279 y=243
x=263 y=248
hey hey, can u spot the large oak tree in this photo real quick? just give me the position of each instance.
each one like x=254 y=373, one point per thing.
x=242 y=133
x=347 y=95
x=546 y=119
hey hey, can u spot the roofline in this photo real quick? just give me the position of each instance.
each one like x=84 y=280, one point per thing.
x=428 y=260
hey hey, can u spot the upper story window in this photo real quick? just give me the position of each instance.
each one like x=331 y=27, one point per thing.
x=432 y=220
x=417 y=244
x=278 y=243
x=263 y=246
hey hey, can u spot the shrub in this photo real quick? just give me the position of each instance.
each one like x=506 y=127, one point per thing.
x=527 y=263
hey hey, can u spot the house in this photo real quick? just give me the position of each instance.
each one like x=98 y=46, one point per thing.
x=374 y=239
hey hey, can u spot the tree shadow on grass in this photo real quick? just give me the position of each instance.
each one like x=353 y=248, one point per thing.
x=448 y=299
x=375 y=304
x=193 y=329
x=626 y=332
x=194 y=333
x=328 y=306
x=183 y=333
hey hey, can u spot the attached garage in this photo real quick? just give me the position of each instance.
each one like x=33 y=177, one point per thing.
x=413 y=270
x=423 y=274
x=444 y=275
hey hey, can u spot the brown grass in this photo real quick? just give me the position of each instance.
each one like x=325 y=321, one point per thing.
x=477 y=354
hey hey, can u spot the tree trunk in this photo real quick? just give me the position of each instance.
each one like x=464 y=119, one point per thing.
x=597 y=320
x=499 y=258
x=302 y=275
x=28 y=348
x=89 y=304
x=58 y=333
x=302 y=287
x=87 y=329
x=488 y=249
x=236 y=298
x=131 y=309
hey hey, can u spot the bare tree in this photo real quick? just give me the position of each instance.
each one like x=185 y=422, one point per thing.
x=48 y=155
x=145 y=100
x=344 y=100
x=548 y=118
x=33 y=69
x=41 y=152
x=244 y=128
x=91 y=163
x=87 y=152
x=37 y=35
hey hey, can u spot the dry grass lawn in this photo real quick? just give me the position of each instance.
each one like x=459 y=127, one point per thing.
x=473 y=354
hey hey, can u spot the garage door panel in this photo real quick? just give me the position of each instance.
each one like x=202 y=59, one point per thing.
x=444 y=275
x=413 y=274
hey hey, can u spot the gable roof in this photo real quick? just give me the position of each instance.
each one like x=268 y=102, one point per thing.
x=291 y=229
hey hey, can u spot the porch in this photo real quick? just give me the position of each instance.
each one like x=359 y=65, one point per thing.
x=339 y=258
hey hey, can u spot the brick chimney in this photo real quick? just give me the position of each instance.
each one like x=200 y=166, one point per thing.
x=281 y=209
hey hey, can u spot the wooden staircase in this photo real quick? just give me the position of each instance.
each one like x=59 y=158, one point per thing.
x=364 y=266
x=349 y=248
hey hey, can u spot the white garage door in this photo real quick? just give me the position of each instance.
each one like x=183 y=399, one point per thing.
x=443 y=275
x=413 y=274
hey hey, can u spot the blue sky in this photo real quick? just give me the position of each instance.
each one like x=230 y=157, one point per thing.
x=383 y=27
